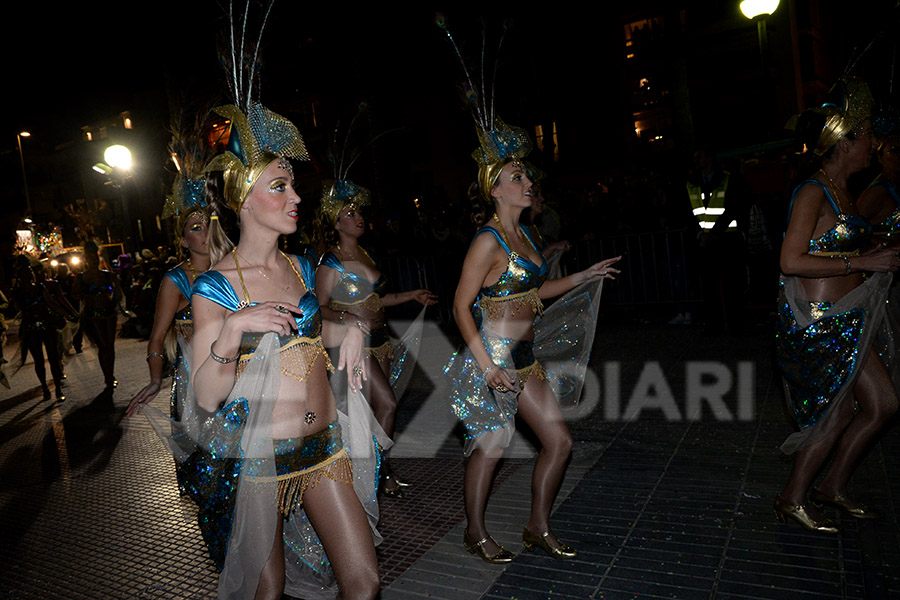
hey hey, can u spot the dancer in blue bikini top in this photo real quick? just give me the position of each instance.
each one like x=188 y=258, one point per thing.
x=495 y=376
x=291 y=432
x=353 y=290
x=173 y=321
x=831 y=307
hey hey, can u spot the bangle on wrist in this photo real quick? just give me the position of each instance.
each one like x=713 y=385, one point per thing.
x=221 y=360
x=341 y=317
x=490 y=368
x=152 y=354
x=846 y=265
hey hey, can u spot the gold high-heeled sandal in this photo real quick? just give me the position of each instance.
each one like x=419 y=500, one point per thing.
x=501 y=557
x=391 y=492
x=532 y=541
x=798 y=512
x=851 y=507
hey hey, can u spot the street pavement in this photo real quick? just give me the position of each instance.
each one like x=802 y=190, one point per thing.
x=668 y=494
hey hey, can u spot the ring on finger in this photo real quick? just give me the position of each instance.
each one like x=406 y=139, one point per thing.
x=281 y=309
x=358 y=371
x=501 y=388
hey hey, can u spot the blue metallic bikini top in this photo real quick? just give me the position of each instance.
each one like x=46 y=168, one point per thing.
x=212 y=285
x=353 y=289
x=521 y=274
x=518 y=285
x=848 y=235
x=180 y=279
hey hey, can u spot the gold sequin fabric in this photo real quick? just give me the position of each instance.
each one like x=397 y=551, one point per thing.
x=300 y=463
x=498 y=306
x=371 y=302
x=298 y=356
x=382 y=352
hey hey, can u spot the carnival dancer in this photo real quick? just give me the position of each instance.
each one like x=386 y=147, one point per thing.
x=173 y=324
x=352 y=289
x=260 y=347
x=172 y=330
x=831 y=315
x=99 y=293
x=496 y=377
x=44 y=312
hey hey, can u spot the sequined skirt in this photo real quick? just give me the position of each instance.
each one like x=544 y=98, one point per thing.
x=820 y=348
x=211 y=472
x=480 y=408
x=300 y=464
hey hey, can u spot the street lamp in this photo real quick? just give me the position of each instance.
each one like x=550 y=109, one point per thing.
x=757 y=10
x=118 y=158
x=19 y=137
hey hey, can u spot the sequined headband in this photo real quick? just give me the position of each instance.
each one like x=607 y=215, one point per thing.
x=338 y=195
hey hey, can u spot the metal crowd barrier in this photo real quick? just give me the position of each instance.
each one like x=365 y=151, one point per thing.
x=657 y=268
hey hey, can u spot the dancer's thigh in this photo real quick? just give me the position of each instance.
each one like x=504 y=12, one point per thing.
x=539 y=409
x=341 y=524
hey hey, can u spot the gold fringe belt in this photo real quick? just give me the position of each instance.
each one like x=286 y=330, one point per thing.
x=386 y=350
x=534 y=368
x=292 y=486
x=297 y=358
x=371 y=302
x=495 y=307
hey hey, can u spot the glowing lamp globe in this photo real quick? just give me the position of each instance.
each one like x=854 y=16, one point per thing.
x=756 y=8
x=118 y=157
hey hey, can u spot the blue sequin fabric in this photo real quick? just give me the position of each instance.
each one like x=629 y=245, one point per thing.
x=211 y=475
x=828 y=353
x=480 y=408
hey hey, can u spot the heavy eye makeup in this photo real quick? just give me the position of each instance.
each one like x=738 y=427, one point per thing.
x=278 y=185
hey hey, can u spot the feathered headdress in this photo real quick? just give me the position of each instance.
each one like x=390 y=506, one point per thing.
x=189 y=154
x=340 y=192
x=258 y=136
x=500 y=143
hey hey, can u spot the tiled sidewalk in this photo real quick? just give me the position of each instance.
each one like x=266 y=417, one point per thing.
x=657 y=508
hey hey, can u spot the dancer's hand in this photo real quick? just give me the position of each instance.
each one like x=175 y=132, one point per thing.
x=499 y=379
x=277 y=317
x=352 y=358
x=601 y=270
x=424 y=297
x=877 y=259
x=145 y=395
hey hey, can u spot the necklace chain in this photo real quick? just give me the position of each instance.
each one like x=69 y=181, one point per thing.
x=235 y=254
x=512 y=253
x=837 y=197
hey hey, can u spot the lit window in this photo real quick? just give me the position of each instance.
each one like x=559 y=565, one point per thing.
x=539 y=136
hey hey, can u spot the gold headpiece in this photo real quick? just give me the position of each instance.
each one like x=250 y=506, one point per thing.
x=340 y=194
x=257 y=138
x=849 y=108
x=499 y=146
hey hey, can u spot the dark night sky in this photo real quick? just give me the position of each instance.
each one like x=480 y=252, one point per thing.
x=67 y=66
